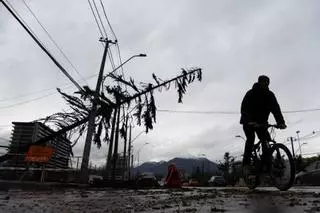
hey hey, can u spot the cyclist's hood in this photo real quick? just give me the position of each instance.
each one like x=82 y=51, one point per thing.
x=256 y=86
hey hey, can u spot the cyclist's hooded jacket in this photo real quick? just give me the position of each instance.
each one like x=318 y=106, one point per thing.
x=257 y=105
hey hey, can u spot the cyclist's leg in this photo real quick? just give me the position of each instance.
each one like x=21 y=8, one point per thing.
x=264 y=137
x=250 y=135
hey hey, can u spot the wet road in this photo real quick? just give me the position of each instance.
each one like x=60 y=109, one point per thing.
x=262 y=200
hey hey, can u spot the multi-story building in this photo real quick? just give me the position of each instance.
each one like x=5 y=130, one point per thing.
x=26 y=133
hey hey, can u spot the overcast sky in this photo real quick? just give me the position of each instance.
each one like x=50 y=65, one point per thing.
x=232 y=41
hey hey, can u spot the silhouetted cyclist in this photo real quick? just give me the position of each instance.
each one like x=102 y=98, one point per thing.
x=255 y=110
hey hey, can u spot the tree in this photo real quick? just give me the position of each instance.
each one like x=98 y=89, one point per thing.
x=227 y=167
x=227 y=163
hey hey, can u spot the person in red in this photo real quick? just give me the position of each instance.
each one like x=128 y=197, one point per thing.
x=173 y=179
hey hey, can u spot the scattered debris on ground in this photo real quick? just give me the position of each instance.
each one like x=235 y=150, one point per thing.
x=158 y=200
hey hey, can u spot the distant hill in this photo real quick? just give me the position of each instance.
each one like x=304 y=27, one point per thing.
x=188 y=165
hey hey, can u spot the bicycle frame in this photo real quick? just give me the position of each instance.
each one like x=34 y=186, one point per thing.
x=257 y=159
x=269 y=143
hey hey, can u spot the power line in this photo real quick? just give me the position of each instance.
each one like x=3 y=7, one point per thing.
x=27 y=101
x=105 y=15
x=229 y=112
x=113 y=33
x=95 y=18
x=101 y=29
x=23 y=21
x=159 y=110
x=68 y=85
x=111 y=59
x=16 y=16
x=198 y=112
x=303 y=110
x=105 y=32
x=33 y=34
x=51 y=38
x=34 y=93
x=101 y=22
x=95 y=14
x=117 y=44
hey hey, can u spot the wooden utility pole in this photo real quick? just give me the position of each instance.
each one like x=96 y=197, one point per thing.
x=116 y=142
x=125 y=149
x=109 y=157
x=129 y=153
x=131 y=166
x=92 y=116
x=291 y=140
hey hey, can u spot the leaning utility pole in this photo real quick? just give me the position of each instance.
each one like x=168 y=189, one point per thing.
x=92 y=116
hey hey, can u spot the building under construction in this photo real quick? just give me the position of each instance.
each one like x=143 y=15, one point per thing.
x=26 y=133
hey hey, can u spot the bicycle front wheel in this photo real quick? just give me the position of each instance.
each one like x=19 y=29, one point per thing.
x=282 y=168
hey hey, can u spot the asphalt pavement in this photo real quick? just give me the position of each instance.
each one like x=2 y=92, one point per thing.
x=224 y=199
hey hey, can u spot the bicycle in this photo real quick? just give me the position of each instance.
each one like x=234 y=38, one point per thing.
x=278 y=160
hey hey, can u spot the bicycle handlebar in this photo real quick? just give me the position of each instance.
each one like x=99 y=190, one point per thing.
x=273 y=125
x=265 y=125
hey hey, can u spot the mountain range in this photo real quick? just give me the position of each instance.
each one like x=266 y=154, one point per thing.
x=188 y=165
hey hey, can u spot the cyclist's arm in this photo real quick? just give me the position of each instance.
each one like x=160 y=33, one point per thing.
x=245 y=107
x=275 y=110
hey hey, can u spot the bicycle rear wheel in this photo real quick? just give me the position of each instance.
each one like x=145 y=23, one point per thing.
x=282 y=169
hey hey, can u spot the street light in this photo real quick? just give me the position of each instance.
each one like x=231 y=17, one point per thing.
x=131 y=148
x=298 y=139
x=140 y=133
x=138 y=152
x=138 y=55
x=131 y=142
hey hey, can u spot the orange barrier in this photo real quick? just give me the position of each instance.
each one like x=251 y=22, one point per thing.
x=39 y=154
